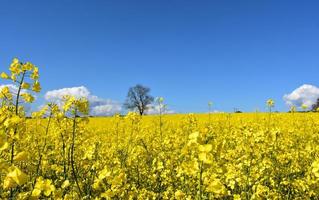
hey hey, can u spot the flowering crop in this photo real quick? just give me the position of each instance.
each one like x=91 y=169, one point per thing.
x=62 y=154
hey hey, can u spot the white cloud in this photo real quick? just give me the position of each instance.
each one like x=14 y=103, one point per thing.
x=12 y=88
x=98 y=106
x=111 y=107
x=56 y=95
x=215 y=111
x=305 y=94
x=155 y=109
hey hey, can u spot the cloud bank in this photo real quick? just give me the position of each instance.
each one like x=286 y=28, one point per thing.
x=98 y=106
x=12 y=88
x=155 y=109
x=305 y=94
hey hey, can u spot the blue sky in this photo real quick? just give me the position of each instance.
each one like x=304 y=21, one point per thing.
x=234 y=53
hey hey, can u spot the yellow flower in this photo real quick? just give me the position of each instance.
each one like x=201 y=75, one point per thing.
x=15 y=66
x=216 y=187
x=48 y=188
x=36 y=86
x=315 y=168
x=3 y=138
x=27 y=66
x=97 y=184
x=205 y=157
x=109 y=194
x=35 y=74
x=82 y=105
x=4 y=75
x=13 y=77
x=205 y=148
x=5 y=93
x=270 y=103
x=15 y=61
x=4 y=146
x=193 y=136
x=13 y=121
x=179 y=194
x=14 y=177
x=65 y=184
x=27 y=97
x=35 y=193
x=22 y=156
x=25 y=85
x=45 y=186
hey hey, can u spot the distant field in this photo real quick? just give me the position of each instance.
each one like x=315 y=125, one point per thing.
x=254 y=155
x=181 y=156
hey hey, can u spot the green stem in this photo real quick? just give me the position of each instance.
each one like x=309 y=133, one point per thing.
x=17 y=113
x=72 y=155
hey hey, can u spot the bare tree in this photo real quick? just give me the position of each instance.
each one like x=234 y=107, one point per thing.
x=315 y=106
x=138 y=97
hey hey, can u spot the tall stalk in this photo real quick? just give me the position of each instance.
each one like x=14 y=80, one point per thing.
x=44 y=145
x=17 y=113
x=200 y=180
x=72 y=154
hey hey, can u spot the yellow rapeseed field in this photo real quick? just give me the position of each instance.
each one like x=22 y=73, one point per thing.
x=62 y=154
